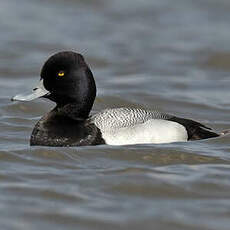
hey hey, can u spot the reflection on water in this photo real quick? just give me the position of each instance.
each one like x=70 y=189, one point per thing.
x=167 y=55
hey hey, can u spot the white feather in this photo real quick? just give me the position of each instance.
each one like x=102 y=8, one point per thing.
x=126 y=126
x=152 y=131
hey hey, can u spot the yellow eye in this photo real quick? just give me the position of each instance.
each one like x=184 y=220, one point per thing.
x=61 y=74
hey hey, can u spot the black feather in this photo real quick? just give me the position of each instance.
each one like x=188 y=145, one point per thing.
x=195 y=130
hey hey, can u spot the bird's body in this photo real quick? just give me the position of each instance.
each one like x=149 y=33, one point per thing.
x=123 y=126
x=67 y=80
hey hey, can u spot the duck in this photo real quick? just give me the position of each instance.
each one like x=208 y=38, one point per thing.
x=67 y=80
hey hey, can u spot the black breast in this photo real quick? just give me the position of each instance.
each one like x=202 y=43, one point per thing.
x=57 y=130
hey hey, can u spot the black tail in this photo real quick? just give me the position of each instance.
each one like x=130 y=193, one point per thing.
x=201 y=133
x=195 y=130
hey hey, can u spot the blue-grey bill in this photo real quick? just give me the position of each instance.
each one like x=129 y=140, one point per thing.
x=37 y=92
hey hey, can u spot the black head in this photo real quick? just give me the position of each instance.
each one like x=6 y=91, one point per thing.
x=69 y=81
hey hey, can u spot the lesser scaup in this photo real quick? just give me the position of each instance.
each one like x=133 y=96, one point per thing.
x=67 y=80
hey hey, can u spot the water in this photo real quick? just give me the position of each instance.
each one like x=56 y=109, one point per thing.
x=169 y=55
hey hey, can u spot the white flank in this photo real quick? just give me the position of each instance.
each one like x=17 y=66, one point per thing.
x=154 y=131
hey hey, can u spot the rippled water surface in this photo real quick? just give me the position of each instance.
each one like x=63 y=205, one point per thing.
x=169 y=55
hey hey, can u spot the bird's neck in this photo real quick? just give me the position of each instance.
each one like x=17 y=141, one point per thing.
x=74 y=111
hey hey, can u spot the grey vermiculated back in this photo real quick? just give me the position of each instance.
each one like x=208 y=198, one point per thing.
x=125 y=117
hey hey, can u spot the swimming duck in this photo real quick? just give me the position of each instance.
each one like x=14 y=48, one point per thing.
x=67 y=80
